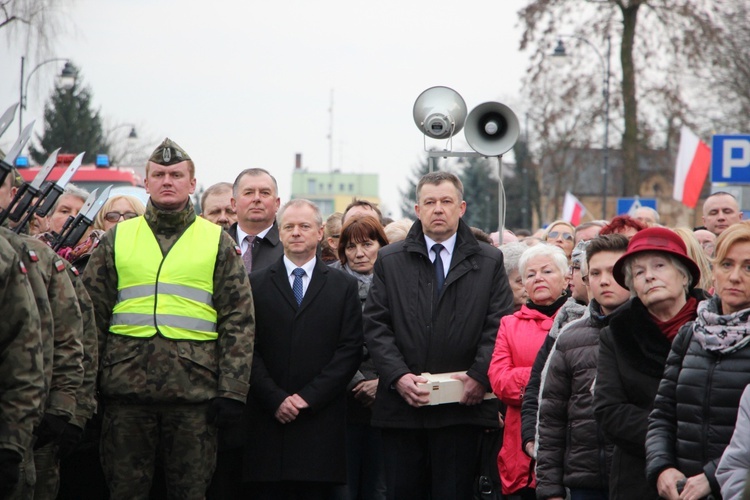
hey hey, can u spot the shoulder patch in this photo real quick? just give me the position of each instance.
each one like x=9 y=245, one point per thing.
x=74 y=270
x=23 y=268
x=238 y=249
x=33 y=256
x=59 y=265
x=96 y=243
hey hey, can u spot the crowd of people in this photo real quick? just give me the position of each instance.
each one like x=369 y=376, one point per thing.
x=256 y=350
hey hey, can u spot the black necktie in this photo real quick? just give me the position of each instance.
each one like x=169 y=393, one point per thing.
x=439 y=270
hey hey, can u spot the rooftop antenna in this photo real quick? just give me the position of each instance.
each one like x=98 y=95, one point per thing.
x=330 y=136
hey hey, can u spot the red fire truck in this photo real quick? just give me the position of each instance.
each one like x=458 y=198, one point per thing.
x=88 y=177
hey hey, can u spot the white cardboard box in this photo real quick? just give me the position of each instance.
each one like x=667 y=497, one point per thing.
x=444 y=389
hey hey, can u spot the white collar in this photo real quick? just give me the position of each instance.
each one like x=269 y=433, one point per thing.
x=448 y=244
x=307 y=266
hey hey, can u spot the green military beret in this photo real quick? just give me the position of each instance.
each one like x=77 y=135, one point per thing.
x=168 y=153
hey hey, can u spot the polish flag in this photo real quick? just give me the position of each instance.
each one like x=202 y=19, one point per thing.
x=693 y=161
x=573 y=209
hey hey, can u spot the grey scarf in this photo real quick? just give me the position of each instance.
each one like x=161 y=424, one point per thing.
x=725 y=333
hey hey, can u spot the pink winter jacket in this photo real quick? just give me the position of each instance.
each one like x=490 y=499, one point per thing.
x=519 y=338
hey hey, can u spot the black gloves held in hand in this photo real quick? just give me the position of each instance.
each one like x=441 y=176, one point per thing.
x=69 y=439
x=51 y=428
x=224 y=412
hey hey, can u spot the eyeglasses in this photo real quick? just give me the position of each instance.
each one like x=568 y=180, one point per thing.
x=575 y=267
x=115 y=216
x=554 y=234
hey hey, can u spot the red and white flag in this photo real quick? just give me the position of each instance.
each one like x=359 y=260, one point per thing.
x=573 y=209
x=693 y=161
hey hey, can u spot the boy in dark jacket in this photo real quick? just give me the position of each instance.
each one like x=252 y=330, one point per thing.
x=573 y=452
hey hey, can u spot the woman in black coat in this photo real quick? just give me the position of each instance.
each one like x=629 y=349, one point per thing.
x=707 y=370
x=633 y=350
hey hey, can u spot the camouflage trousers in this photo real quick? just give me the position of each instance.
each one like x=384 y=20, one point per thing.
x=137 y=437
x=24 y=490
x=39 y=474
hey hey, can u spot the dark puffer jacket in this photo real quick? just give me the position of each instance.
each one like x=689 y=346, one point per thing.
x=573 y=451
x=695 y=409
x=569 y=312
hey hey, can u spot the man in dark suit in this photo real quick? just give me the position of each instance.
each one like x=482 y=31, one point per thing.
x=434 y=306
x=255 y=199
x=308 y=346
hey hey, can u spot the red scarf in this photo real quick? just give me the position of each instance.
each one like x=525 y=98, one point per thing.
x=670 y=327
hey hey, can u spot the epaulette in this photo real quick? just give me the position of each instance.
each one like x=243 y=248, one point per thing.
x=59 y=265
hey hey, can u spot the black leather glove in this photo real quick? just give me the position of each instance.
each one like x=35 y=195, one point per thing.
x=224 y=412
x=51 y=428
x=10 y=462
x=70 y=438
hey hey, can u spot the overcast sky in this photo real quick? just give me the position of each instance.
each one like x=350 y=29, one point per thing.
x=248 y=84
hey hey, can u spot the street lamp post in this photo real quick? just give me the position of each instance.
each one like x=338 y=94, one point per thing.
x=67 y=78
x=560 y=52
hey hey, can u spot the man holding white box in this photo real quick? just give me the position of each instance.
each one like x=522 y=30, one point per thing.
x=434 y=306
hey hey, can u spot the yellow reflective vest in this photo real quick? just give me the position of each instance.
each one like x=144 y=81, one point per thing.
x=170 y=294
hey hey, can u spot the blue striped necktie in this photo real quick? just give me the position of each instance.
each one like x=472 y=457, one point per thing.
x=297 y=285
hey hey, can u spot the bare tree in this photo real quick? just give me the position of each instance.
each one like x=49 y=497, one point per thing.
x=33 y=24
x=660 y=42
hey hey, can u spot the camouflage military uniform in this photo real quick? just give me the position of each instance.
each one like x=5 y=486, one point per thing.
x=47 y=459
x=155 y=382
x=22 y=383
x=62 y=352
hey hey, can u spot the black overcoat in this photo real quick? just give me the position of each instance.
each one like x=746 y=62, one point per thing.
x=312 y=350
x=409 y=330
x=632 y=354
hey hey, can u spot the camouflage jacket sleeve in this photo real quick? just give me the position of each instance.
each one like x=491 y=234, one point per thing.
x=100 y=280
x=21 y=359
x=86 y=396
x=67 y=371
x=233 y=301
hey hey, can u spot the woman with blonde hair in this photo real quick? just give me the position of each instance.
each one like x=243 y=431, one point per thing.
x=561 y=234
x=695 y=251
x=116 y=209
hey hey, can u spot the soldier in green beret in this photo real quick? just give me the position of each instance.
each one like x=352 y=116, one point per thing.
x=174 y=366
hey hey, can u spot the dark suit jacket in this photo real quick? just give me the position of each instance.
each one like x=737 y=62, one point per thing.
x=267 y=250
x=312 y=350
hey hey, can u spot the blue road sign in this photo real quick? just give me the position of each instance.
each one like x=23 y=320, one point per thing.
x=730 y=159
x=626 y=206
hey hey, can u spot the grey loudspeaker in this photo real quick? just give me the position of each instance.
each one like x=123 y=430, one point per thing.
x=439 y=112
x=491 y=129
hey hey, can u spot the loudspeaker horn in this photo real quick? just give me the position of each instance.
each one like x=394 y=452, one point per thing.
x=491 y=129
x=439 y=112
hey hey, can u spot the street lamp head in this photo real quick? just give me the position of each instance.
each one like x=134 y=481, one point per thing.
x=560 y=49
x=68 y=75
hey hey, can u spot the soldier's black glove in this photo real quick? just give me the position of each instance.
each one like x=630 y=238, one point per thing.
x=224 y=412
x=51 y=428
x=69 y=439
x=10 y=462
